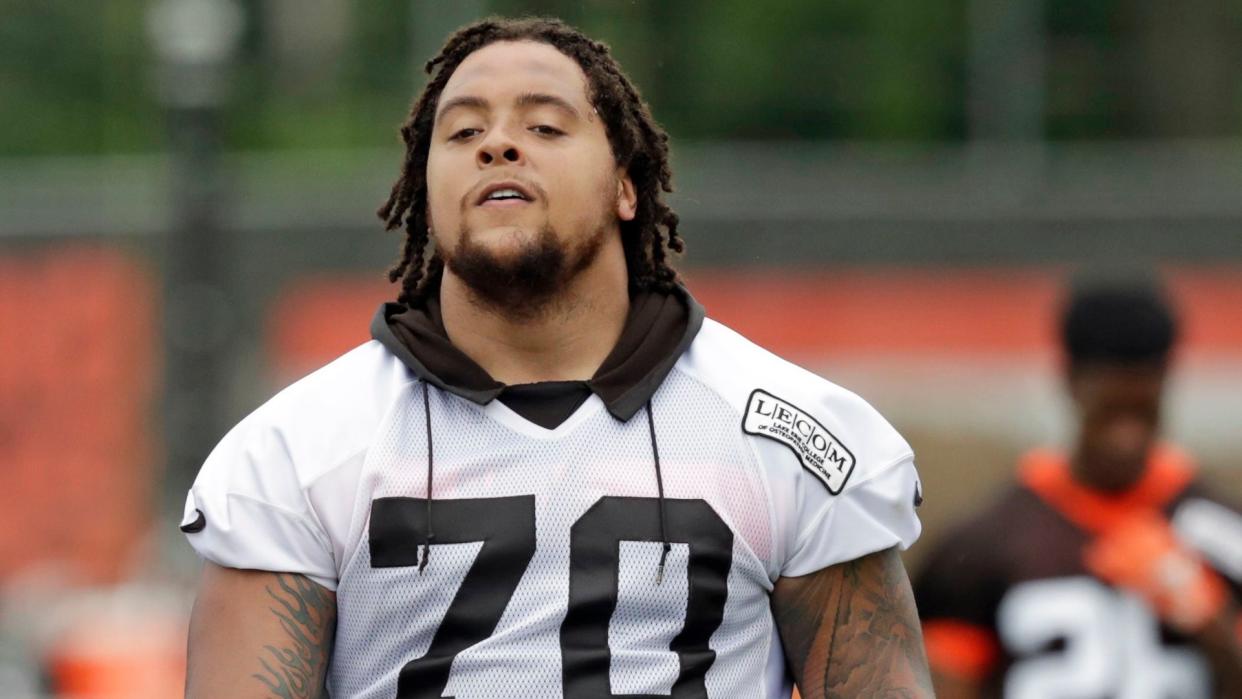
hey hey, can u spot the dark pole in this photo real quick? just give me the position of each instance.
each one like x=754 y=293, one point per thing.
x=194 y=40
x=1007 y=94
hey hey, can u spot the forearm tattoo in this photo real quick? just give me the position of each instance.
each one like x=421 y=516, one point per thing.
x=307 y=612
x=853 y=631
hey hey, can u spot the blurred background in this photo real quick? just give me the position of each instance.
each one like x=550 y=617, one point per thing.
x=892 y=194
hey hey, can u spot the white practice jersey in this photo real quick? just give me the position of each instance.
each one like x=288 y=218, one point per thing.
x=543 y=579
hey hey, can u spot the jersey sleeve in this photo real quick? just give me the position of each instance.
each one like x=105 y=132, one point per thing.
x=873 y=516
x=247 y=508
x=858 y=499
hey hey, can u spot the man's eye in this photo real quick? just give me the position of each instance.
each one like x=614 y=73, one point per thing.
x=463 y=134
x=545 y=130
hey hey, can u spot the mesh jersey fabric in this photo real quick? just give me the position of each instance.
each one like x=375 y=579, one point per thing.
x=329 y=478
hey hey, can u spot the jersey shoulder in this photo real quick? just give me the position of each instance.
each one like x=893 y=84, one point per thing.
x=833 y=432
x=273 y=493
x=325 y=417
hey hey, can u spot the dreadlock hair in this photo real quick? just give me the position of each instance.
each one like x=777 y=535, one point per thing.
x=638 y=143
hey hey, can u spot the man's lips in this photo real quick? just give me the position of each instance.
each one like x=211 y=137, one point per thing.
x=503 y=203
x=526 y=195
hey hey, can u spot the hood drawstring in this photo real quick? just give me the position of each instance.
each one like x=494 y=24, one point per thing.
x=655 y=453
x=431 y=536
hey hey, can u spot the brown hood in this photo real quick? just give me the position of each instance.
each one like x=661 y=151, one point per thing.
x=658 y=329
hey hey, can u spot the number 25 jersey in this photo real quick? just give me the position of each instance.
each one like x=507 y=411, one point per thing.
x=628 y=551
x=1008 y=601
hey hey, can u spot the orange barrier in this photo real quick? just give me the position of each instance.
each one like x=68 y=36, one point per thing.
x=120 y=659
x=834 y=312
x=77 y=375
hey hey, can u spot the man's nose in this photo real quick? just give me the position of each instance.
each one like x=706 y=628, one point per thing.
x=498 y=149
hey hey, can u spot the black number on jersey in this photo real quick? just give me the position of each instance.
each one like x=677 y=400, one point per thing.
x=506 y=526
x=594 y=560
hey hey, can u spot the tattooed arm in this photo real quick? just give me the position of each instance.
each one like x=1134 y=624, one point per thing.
x=257 y=635
x=851 y=630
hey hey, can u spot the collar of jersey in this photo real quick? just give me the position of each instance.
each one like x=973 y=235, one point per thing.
x=515 y=421
x=657 y=331
x=1046 y=472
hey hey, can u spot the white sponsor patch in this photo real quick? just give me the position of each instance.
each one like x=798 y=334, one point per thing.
x=819 y=450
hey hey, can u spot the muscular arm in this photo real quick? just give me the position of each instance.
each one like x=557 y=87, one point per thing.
x=851 y=630
x=258 y=635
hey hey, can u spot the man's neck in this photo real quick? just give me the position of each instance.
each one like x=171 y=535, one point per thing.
x=568 y=341
x=1098 y=477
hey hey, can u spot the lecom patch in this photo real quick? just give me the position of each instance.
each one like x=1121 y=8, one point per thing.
x=819 y=450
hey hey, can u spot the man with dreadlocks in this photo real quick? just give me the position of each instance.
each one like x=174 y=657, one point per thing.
x=548 y=475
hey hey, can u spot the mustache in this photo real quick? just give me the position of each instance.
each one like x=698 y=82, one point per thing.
x=471 y=196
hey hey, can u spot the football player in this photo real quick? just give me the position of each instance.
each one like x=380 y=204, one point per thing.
x=1107 y=571
x=548 y=475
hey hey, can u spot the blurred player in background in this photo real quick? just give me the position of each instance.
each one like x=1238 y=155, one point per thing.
x=1108 y=571
x=548 y=475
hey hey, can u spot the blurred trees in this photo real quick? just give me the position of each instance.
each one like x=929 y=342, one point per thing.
x=74 y=76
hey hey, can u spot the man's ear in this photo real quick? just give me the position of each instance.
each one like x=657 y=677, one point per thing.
x=627 y=197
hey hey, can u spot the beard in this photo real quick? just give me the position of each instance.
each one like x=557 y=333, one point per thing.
x=527 y=284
